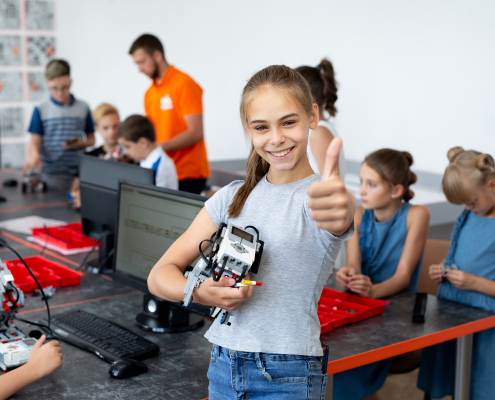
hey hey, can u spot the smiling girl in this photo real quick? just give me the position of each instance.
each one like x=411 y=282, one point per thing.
x=469 y=179
x=384 y=256
x=272 y=348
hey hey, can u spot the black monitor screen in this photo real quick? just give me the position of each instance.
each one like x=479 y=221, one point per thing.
x=150 y=219
x=99 y=190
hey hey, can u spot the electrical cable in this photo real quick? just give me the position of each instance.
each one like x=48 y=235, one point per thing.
x=37 y=324
x=46 y=240
x=201 y=250
x=85 y=259
x=215 y=277
x=4 y=243
x=212 y=243
x=256 y=230
x=102 y=262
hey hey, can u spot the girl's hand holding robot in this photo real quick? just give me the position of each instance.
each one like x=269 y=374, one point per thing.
x=221 y=294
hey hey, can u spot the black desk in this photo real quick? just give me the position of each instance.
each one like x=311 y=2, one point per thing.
x=179 y=372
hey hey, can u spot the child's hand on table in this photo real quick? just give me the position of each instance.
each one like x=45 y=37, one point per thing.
x=45 y=358
x=461 y=279
x=344 y=275
x=436 y=273
x=360 y=284
x=221 y=294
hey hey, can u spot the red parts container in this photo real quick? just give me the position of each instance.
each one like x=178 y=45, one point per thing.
x=66 y=237
x=345 y=308
x=47 y=272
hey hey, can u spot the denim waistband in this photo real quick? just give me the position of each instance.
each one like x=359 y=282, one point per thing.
x=264 y=356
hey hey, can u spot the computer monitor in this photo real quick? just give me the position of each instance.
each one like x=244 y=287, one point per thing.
x=99 y=183
x=150 y=219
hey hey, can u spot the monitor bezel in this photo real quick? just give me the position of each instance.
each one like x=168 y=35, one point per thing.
x=127 y=279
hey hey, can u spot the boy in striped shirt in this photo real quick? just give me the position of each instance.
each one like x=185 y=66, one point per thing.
x=61 y=127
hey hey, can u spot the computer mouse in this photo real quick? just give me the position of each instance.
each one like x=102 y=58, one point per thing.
x=10 y=183
x=35 y=333
x=126 y=368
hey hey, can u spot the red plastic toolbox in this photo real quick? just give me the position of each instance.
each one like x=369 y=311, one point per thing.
x=376 y=306
x=66 y=237
x=345 y=308
x=47 y=272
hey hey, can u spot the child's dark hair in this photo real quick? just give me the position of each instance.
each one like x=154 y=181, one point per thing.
x=57 y=68
x=136 y=127
x=466 y=165
x=323 y=85
x=287 y=81
x=149 y=43
x=394 y=167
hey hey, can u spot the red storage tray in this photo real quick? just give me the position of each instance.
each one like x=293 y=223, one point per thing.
x=376 y=306
x=48 y=273
x=66 y=237
x=345 y=308
x=326 y=324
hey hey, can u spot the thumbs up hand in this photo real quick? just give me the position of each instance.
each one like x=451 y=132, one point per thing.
x=332 y=205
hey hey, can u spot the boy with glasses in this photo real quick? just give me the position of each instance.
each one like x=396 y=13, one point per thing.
x=61 y=127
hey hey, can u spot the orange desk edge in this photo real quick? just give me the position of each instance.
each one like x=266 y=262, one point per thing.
x=406 y=346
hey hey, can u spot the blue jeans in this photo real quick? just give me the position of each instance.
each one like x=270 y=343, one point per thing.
x=241 y=375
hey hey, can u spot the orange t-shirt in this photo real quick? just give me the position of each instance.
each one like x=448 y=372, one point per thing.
x=165 y=105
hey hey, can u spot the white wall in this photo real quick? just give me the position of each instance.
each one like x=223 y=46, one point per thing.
x=416 y=76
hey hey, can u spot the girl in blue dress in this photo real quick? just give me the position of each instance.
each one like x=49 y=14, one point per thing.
x=384 y=255
x=469 y=179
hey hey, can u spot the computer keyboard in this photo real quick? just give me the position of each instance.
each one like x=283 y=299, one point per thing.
x=106 y=339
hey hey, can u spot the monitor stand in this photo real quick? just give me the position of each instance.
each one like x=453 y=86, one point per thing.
x=105 y=253
x=162 y=316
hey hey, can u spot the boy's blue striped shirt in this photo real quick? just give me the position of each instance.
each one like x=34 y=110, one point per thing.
x=58 y=123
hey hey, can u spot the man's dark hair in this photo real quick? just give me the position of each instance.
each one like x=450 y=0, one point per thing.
x=136 y=127
x=148 y=43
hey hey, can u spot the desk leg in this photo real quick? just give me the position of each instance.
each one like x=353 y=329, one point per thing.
x=464 y=349
x=329 y=388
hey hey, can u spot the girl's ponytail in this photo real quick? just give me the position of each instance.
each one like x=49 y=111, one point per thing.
x=256 y=169
x=323 y=85
x=329 y=90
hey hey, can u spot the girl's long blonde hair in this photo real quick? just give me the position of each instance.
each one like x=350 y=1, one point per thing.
x=290 y=83
x=473 y=166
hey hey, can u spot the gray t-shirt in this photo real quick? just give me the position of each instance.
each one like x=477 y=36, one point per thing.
x=281 y=317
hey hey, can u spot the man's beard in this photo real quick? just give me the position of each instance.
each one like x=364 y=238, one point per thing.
x=154 y=74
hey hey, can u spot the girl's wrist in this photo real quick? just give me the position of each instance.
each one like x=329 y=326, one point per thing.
x=474 y=284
